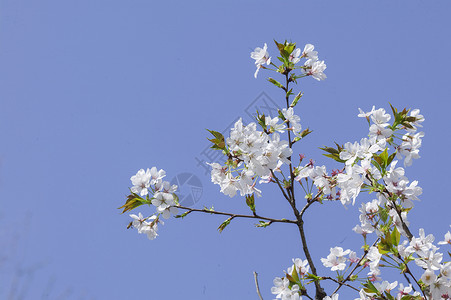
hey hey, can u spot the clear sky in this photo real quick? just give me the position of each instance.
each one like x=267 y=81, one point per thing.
x=92 y=91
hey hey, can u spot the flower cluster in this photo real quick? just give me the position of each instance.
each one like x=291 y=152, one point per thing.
x=366 y=161
x=336 y=260
x=291 y=286
x=292 y=56
x=148 y=225
x=436 y=277
x=313 y=67
x=158 y=193
x=252 y=154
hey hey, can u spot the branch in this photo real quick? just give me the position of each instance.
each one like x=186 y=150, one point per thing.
x=413 y=277
x=309 y=203
x=320 y=293
x=280 y=186
x=204 y=210
x=287 y=98
x=339 y=282
x=256 y=286
x=404 y=225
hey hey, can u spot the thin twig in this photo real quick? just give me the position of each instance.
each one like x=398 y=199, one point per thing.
x=334 y=280
x=404 y=225
x=256 y=286
x=214 y=212
x=320 y=293
x=280 y=186
x=309 y=203
x=413 y=277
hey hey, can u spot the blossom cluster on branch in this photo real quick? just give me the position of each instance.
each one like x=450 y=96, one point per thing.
x=261 y=152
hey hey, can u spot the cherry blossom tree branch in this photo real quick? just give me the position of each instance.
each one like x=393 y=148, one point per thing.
x=315 y=199
x=257 y=287
x=320 y=293
x=280 y=186
x=233 y=216
x=404 y=225
x=342 y=283
x=290 y=142
x=407 y=270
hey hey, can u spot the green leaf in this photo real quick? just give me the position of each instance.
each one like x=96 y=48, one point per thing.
x=335 y=157
x=333 y=153
x=224 y=224
x=218 y=141
x=390 y=158
x=261 y=119
x=279 y=45
x=330 y=150
x=285 y=49
x=285 y=54
x=294 y=275
x=370 y=288
x=383 y=215
x=407 y=125
x=394 y=110
x=395 y=237
x=133 y=201
x=216 y=134
x=384 y=157
x=250 y=202
x=208 y=209
x=385 y=245
x=276 y=83
x=305 y=132
x=281 y=116
x=262 y=224
x=377 y=165
x=313 y=277
x=388 y=296
x=383 y=248
x=176 y=198
x=296 y=99
x=182 y=215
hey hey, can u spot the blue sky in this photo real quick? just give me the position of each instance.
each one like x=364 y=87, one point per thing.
x=92 y=91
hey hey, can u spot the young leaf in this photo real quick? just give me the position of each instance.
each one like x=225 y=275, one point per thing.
x=262 y=224
x=250 y=202
x=276 y=83
x=395 y=237
x=305 y=132
x=370 y=288
x=218 y=141
x=296 y=99
x=224 y=224
x=133 y=201
x=281 y=116
x=182 y=215
x=384 y=158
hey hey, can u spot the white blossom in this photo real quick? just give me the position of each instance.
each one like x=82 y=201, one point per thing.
x=141 y=182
